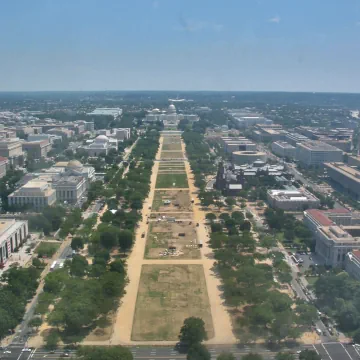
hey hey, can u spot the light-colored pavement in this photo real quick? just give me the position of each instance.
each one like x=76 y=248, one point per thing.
x=221 y=318
x=125 y=314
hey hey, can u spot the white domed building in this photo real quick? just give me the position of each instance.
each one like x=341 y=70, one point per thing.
x=172 y=109
x=101 y=145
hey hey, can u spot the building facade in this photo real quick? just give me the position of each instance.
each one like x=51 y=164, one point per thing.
x=316 y=153
x=247 y=157
x=11 y=148
x=35 y=194
x=37 y=149
x=283 y=149
x=70 y=189
x=347 y=177
x=13 y=233
x=4 y=163
x=292 y=200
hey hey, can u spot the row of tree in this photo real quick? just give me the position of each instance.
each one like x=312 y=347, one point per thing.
x=17 y=286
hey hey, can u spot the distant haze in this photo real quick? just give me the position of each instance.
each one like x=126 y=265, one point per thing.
x=250 y=45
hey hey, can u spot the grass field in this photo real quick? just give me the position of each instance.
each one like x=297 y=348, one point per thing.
x=47 y=249
x=172 y=155
x=168 y=294
x=179 y=201
x=172 y=181
x=173 y=147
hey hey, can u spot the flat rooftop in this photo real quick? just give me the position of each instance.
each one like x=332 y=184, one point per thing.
x=320 y=217
x=345 y=170
x=338 y=234
x=318 y=146
x=284 y=144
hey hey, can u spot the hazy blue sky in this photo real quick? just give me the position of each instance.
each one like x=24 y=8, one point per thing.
x=295 y=45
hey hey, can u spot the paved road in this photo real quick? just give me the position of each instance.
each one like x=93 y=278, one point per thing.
x=327 y=351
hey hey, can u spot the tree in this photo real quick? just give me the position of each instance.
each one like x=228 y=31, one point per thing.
x=126 y=239
x=252 y=356
x=238 y=216
x=226 y=356
x=356 y=337
x=245 y=226
x=230 y=201
x=38 y=263
x=210 y=217
x=35 y=322
x=78 y=266
x=268 y=241
x=193 y=331
x=198 y=352
x=284 y=356
x=216 y=227
x=104 y=353
x=77 y=243
x=51 y=341
x=109 y=237
x=118 y=266
x=309 y=355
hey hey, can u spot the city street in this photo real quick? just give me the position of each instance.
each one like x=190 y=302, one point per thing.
x=327 y=351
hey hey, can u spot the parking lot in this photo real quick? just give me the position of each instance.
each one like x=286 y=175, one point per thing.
x=337 y=351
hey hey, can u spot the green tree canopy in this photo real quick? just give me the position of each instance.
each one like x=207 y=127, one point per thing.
x=226 y=356
x=104 y=353
x=193 y=331
x=309 y=355
x=198 y=352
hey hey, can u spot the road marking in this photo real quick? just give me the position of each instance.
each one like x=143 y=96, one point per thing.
x=355 y=348
x=316 y=349
x=326 y=351
x=347 y=351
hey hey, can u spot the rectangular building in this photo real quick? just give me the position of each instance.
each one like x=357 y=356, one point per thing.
x=114 y=112
x=4 y=163
x=37 y=149
x=354 y=160
x=295 y=138
x=283 y=149
x=13 y=233
x=35 y=194
x=11 y=148
x=292 y=200
x=347 y=177
x=316 y=153
x=70 y=188
x=334 y=242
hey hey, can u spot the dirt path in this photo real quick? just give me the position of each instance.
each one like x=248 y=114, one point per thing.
x=221 y=318
x=125 y=313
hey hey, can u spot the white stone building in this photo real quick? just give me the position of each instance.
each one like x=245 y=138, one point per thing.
x=13 y=233
x=36 y=194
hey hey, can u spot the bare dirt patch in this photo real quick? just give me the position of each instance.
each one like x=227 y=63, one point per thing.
x=168 y=294
x=172 y=240
x=171 y=201
x=175 y=215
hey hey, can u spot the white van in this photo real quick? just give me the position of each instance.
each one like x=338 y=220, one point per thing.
x=318 y=331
